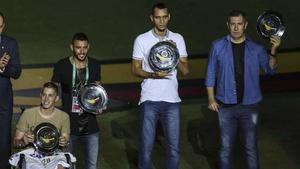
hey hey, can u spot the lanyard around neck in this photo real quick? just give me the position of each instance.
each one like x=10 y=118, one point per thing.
x=74 y=74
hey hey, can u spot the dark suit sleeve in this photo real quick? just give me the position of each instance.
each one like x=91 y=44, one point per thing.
x=13 y=68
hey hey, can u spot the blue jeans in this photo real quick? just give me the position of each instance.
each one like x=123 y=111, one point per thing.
x=90 y=143
x=168 y=113
x=244 y=118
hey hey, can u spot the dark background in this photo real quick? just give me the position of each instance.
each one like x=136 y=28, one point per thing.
x=44 y=28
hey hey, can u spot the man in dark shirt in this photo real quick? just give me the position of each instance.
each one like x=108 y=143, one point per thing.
x=233 y=68
x=72 y=72
x=10 y=67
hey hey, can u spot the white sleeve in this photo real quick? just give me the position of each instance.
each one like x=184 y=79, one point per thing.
x=181 y=46
x=14 y=159
x=137 y=50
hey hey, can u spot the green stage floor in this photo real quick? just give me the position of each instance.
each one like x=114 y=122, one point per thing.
x=279 y=136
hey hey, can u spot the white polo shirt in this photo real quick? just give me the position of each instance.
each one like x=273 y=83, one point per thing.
x=158 y=89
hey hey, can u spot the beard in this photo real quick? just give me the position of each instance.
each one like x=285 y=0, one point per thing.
x=80 y=57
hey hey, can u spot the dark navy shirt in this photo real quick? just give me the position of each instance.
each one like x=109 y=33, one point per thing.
x=238 y=51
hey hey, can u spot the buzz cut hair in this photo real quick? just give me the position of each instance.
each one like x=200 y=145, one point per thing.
x=79 y=36
x=51 y=85
x=159 y=5
x=236 y=13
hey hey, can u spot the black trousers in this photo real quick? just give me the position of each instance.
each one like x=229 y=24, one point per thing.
x=6 y=108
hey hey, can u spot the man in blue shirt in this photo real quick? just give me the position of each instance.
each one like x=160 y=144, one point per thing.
x=233 y=69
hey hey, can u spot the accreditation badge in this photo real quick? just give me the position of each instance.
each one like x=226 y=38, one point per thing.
x=76 y=108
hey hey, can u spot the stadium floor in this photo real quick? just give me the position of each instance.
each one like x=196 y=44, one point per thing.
x=279 y=136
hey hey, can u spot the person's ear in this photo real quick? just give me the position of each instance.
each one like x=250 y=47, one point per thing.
x=71 y=47
x=151 y=18
x=246 y=24
x=56 y=98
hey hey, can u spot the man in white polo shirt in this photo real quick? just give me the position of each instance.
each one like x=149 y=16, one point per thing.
x=159 y=95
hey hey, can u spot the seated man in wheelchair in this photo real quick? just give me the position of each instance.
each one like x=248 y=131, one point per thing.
x=47 y=129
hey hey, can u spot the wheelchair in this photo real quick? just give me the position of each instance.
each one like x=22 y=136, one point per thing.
x=30 y=158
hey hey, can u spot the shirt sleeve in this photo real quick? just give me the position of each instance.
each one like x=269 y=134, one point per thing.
x=14 y=159
x=13 y=68
x=264 y=61
x=181 y=46
x=94 y=70
x=211 y=68
x=66 y=125
x=137 y=49
x=56 y=73
x=98 y=72
x=22 y=124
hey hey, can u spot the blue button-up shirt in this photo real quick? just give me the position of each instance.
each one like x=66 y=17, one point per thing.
x=220 y=71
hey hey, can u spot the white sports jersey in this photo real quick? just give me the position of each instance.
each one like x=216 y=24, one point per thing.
x=34 y=160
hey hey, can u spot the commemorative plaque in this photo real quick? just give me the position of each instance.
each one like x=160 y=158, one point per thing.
x=92 y=97
x=46 y=138
x=163 y=56
x=270 y=23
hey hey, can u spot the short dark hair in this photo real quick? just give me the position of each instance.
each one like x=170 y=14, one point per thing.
x=50 y=85
x=236 y=12
x=80 y=36
x=159 y=5
x=2 y=15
